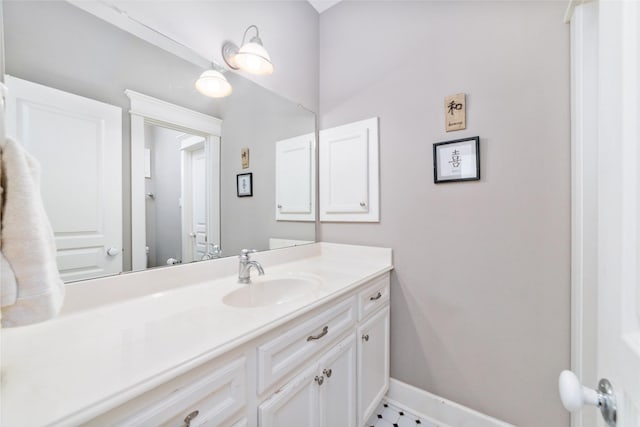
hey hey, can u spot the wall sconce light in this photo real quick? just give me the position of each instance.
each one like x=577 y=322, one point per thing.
x=213 y=83
x=251 y=57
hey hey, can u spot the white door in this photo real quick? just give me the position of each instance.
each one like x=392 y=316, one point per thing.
x=338 y=391
x=195 y=218
x=78 y=142
x=199 y=203
x=296 y=404
x=373 y=363
x=349 y=172
x=295 y=179
x=606 y=206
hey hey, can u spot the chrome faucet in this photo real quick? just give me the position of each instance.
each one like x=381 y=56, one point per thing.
x=244 y=273
x=215 y=252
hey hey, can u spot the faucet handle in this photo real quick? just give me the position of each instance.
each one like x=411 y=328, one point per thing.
x=245 y=252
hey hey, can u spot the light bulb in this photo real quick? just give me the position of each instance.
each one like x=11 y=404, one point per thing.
x=213 y=84
x=253 y=58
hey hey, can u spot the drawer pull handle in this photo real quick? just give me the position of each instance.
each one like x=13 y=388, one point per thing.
x=365 y=337
x=377 y=297
x=324 y=332
x=327 y=372
x=190 y=417
x=319 y=379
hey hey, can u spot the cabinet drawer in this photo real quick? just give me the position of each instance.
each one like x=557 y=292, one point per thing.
x=281 y=355
x=374 y=295
x=215 y=394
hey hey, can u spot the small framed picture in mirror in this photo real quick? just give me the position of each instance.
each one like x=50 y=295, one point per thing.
x=245 y=184
x=457 y=160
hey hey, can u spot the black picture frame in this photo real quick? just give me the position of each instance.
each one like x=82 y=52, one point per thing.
x=462 y=162
x=242 y=188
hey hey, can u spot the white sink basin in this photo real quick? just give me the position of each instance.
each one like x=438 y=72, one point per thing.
x=272 y=290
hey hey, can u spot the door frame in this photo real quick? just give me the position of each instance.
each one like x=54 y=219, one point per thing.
x=582 y=18
x=149 y=110
x=604 y=106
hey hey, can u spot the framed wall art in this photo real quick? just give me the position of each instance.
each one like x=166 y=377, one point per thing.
x=457 y=160
x=244 y=184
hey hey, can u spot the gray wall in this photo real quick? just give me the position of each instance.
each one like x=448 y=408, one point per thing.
x=61 y=46
x=480 y=293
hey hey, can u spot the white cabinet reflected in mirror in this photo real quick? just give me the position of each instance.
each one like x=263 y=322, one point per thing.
x=127 y=191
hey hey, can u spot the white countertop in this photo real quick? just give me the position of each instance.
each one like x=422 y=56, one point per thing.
x=118 y=337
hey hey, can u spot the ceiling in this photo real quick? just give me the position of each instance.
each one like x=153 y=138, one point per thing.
x=322 y=5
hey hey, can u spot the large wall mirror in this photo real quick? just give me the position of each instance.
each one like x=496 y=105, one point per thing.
x=140 y=170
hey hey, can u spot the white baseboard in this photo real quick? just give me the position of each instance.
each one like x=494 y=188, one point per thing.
x=425 y=404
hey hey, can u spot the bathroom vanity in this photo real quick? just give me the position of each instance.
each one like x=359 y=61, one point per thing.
x=307 y=344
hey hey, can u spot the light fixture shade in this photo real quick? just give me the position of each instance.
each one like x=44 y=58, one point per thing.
x=213 y=84
x=253 y=58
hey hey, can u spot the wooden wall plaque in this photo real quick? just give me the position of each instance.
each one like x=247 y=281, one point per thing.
x=455 y=112
x=245 y=158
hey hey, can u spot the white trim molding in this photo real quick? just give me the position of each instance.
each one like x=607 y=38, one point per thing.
x=162 y=111
x=443 y=411
x=584 y=198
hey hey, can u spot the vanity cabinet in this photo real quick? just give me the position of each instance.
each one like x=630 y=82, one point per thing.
x=326 y=368
x=344 y=385
x=322 y=396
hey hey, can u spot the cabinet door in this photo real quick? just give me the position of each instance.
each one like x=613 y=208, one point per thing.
x=349 y=172
x=338 y=391
x=294 y=405
x=373 y=363
x=295 y=179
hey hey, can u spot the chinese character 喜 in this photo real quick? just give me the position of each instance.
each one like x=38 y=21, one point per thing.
x=455 y=159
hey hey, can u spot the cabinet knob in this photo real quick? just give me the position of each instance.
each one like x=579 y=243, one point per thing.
x=190 y=417
x=365 y=337
x=319 y=379
x=279 y=206
x=363 y=204
x=327 y=372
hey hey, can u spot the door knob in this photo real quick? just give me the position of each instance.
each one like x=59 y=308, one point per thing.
x=112 y=251
x=574 y=396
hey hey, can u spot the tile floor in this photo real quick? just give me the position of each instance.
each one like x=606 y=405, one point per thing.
x=389 y=415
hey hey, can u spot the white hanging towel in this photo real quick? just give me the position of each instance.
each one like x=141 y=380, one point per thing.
x=30 y=285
